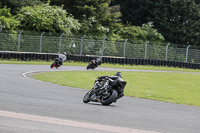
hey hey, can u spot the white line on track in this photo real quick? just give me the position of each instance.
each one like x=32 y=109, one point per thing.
x=71 y=123
x=24 y=74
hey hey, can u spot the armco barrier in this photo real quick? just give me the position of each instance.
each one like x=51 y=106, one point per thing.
x=27 y=56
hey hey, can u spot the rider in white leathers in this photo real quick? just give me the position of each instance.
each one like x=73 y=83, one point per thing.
x=62 y=57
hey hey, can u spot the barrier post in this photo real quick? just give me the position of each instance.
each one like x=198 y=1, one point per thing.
x=60 y=43
x=103 y=45
x=41 y=41
x=146 y=45
x=81 y=44
x=19 y=37
x=186 y=58
x=166 y=52
x=125 y=48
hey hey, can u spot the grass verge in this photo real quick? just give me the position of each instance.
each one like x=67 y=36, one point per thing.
x=181 y=88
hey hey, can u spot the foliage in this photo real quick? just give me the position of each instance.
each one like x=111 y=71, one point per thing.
x=177 y=20
x=152 y=34
x=145 y=33
x=7 y=22
x=47 y=18
x=97 y=16
x=137 y=12
x=16 y=5
x=91 y=27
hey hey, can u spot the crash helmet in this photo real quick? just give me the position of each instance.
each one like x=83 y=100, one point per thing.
x=118 y=74
x=64 y=53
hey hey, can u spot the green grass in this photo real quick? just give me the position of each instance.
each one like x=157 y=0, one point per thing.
x=182 y=88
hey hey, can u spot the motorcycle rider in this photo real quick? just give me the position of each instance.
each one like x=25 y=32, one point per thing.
x=103 y=82
x=62 y=57
x=97 y=61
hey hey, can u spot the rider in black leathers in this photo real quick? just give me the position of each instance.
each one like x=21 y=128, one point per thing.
x=102 y=83
x=97 y=61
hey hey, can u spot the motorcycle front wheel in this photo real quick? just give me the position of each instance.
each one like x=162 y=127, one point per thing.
x=88 y=67
x=110 y=99
x=86 y=98
x=91 y=66
x=53 y=65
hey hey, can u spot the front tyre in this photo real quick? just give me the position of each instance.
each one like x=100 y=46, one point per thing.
x=110 y=99
x=86 y=98
x=53 y=65
x=88 y=67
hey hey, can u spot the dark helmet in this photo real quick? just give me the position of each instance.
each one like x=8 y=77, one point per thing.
x=118 y=74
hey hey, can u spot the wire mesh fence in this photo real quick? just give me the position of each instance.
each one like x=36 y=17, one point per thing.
x=89 y=46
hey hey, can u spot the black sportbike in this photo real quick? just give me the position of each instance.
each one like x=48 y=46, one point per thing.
x=57 y=63
x=94 y=63
x=111 y=92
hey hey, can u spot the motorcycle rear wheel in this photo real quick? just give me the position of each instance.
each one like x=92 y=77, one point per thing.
x=110 y=99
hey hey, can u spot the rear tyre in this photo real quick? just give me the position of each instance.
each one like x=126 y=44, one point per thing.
x=110 y=99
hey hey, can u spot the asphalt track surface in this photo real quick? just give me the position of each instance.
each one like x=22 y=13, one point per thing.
x=31 y=106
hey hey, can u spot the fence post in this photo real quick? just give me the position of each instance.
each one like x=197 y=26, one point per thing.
x=125 y=48
x=146 y=45
x=60 y=43
x=19 y=36
x=186 y=58
x=103 y=45
x=41 y=41
x=166 y=51
x=81 y=44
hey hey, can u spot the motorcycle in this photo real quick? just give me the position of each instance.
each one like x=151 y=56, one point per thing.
x=94 y=63
x=56 y=63
x=111 y=92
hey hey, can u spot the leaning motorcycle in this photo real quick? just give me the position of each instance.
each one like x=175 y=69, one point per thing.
x=94 y=63
x=111 y=92
x=56 y=63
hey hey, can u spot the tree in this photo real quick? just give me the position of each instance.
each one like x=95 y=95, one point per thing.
x=177 y=20
x=144 y=33
x=103 y=17
x=7 y=21
x=91 y=27
x=88 y=8
x=8 y=24
x=47 y=18
x=137 y=12
x=16 y=5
